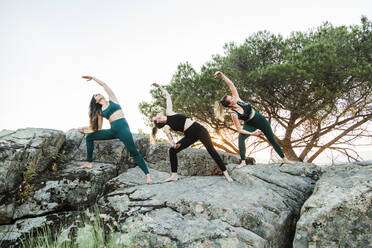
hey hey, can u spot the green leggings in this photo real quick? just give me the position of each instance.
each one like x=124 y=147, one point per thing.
x=119 y=129
x=258 y=122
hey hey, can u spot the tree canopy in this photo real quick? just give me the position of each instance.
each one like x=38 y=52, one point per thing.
x=314 y=87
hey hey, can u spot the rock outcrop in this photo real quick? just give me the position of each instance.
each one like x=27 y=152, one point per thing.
x=11 y=235
x=266 y=205
x=69 y=189
x=339 y=212
x=56 y=196
x=191 y=161
x=259 y=209
x=29 y=149
x=105 y=151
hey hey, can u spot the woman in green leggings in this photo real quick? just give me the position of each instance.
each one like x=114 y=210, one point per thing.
x=254 y=122
x=99 y=108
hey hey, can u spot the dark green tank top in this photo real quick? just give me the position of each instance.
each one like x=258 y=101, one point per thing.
x=112 y=107
x=247 y=110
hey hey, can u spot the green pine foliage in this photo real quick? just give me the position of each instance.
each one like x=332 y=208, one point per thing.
x=314 y=87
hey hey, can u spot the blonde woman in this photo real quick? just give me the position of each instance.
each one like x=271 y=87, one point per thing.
x=254 y=123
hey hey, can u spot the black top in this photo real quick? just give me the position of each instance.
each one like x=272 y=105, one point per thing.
x=176 y=122
x=247 y=110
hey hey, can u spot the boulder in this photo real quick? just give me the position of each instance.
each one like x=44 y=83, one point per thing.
x=191 y=161
x=25 y=149
x=135 y=177
x=166 y=227
x=261 y=208
x=6 y=132
x=257 y=210
x=13 y=234
x=67 y=189
x=73 y=140
x=105 y=151
x=339 y=212
x=295 y=183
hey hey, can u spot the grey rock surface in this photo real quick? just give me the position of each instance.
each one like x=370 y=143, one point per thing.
x=73 y=140
x=168 y=228
x=24 y=149
x=134 y=177
x=266 y=205
x=105 y=151
x=67 y=189
x=294 y=183
x=191 y=161
x=6 y=132
x=339 y=212
x=254 y=211
x=11 y=235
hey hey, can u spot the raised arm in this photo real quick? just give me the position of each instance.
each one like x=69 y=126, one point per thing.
x=108 y=90
x=229 y=83
x=169 y=110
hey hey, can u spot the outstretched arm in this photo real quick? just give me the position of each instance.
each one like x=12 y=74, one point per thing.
x=229 y=83
x=108 y=90
x=90 y=128
x=169 y=110
x=238 y=126
x=241 y=130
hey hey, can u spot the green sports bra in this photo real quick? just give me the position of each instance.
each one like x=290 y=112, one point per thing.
x=247 y=110
x=112 y=107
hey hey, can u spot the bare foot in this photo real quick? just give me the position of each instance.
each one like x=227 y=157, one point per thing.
x=227 y=176
x=87 y=165
x=148 y=179
x=241 y=165
x=229 y=179
x=286 y=161
x=173 y=177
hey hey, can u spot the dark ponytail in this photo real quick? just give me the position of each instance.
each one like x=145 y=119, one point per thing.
x=154 y=131
x=94 y=112
x=153 y=135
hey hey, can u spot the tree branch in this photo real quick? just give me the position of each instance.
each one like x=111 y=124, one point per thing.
x=358 y=124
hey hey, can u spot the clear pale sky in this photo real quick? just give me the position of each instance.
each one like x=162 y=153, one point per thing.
x=46 y=46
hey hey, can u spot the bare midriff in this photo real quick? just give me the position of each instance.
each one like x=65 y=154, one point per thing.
x=118 y=114
x=240 y=110
x=188 y=123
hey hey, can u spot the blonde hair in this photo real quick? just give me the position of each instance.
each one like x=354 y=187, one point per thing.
x=219 y=111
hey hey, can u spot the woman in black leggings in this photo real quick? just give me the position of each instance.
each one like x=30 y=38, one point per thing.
x=193 y=132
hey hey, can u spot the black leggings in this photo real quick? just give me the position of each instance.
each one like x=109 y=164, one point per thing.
x=194 y=133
